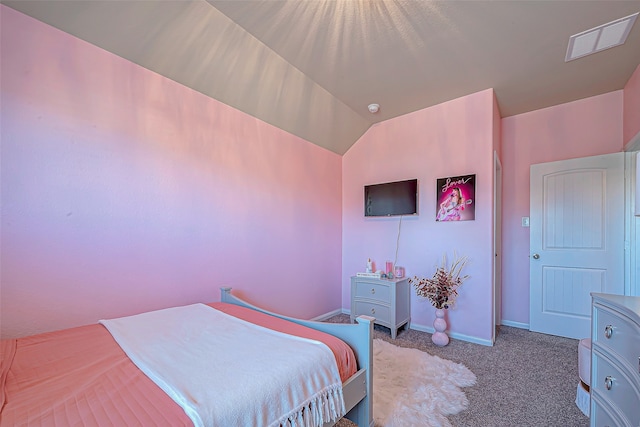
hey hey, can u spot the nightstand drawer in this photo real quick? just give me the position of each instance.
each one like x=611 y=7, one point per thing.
x=373 y=291
x=615 y=384
x=619 y=334
x=379 y=311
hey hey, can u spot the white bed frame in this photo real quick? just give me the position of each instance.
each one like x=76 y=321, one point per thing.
x=357 y=390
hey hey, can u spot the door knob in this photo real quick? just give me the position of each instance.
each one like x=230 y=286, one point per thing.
x=536 y=256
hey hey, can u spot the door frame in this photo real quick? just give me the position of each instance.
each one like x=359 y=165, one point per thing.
x=497 y=245
x=631 y=218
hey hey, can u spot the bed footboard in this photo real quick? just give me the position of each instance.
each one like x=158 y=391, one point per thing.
x=357 y=390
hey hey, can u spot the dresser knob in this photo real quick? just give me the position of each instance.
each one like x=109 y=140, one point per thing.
x=608 y=382
x=373 y=311
x=373 y=291
x=608 y=331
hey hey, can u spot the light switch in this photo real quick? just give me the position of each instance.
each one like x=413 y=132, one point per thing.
x=525 y=221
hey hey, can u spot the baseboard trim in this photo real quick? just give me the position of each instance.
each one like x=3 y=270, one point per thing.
x=325 y=316
x=455 y=335
x=430 y=330
x=515 y=324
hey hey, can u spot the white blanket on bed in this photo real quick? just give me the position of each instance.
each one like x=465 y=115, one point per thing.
x=224 y=371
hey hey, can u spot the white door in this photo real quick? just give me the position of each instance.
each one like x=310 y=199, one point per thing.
x=576 y=241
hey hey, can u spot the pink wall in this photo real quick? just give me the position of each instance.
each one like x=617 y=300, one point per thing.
x=588 y=127
x=123 y=191
x=450 y=139
x=632 y=106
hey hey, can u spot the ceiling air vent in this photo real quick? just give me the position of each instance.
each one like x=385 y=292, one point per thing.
x=600 y=38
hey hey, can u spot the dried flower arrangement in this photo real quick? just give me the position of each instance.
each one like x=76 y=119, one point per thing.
x=442 y=288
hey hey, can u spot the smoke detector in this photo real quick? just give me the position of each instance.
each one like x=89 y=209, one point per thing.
x=373 y=108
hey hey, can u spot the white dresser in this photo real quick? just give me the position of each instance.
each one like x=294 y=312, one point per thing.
x=387 y=300
x=615 y=361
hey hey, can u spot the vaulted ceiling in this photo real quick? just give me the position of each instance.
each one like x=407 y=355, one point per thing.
x=311 y=67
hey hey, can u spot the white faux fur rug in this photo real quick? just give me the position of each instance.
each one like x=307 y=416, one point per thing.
x=413 y=388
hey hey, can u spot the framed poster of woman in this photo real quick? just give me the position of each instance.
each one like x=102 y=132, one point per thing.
x=456 y=198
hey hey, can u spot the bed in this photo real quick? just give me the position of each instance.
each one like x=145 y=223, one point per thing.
x=87 y=375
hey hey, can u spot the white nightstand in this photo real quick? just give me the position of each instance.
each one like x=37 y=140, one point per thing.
x=387 y=300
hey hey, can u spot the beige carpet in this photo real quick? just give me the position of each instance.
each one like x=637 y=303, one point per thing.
x=413 y=388
x=525 y=379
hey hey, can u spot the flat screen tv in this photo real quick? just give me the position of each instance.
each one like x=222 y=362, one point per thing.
x=391 y=198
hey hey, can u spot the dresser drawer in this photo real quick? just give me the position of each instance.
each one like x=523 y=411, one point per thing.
x=373 y=291
x=618 y=333
x=379 y=311
x=616 y=384
x=603 y=415
x=615 y=363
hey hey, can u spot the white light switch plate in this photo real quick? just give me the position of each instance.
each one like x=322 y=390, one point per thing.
x=525 y=221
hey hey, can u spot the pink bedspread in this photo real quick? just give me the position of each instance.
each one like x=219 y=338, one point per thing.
x=80 y=376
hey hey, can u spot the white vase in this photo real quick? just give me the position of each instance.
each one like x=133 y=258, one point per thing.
x=439 y=337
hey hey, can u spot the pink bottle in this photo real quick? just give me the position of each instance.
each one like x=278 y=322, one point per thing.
x=389 y=267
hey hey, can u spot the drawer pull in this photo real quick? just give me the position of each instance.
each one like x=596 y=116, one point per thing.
x=373 y=291
x=608 y=382
x=608 y=331
x=373 y=311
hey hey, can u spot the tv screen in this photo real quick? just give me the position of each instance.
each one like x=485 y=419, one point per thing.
x=391 y=198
